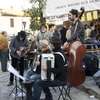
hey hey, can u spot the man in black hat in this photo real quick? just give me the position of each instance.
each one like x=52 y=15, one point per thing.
x=77 y=28
x=17 y=48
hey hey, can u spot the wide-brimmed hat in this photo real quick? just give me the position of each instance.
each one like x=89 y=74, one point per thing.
x=22 y=34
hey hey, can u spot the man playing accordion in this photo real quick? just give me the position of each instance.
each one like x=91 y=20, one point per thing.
x=58 y=70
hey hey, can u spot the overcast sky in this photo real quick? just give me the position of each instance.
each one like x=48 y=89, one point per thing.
x=19 y=4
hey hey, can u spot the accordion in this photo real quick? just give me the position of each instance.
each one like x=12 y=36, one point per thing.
x=47 y=62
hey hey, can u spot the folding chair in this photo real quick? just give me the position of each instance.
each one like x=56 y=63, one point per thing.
x=64 y=92
x=63 y=87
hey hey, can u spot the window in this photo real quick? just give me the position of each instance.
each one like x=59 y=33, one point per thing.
x=11 y=22
x=89 y=16
x=95 y=14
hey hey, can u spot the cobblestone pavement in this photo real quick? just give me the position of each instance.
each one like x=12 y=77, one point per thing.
x=86 y=91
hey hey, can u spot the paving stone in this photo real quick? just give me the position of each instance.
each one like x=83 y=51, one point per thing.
x=79 y=93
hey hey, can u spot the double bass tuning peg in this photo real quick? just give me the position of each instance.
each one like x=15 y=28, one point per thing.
x=82 y=9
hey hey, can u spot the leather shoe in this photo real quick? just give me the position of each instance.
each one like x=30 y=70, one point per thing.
x=10 y=84
x=48 y=98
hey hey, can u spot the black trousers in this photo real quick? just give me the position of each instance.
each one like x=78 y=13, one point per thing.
x=18 y=64
x=28 y=87
x=46 y=90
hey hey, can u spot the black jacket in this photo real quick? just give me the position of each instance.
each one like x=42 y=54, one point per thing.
x=77 y=31
x=15 y=44
x=59 y=69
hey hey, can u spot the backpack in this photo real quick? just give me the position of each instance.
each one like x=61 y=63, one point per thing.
x=91 y=62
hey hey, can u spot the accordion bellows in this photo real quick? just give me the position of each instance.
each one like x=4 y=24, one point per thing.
x=48 y=61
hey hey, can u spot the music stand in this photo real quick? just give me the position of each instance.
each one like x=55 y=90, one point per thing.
x=16 y=87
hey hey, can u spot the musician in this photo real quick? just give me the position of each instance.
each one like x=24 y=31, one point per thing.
x=18 y=47
x=77 y=28
x=58 y=70
x=59 y=67
x=34 y=76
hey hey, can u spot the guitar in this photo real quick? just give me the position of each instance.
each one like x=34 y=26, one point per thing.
x=22 y=51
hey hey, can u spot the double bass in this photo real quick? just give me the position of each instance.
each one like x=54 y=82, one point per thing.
x=76 y=73
x=76 y=52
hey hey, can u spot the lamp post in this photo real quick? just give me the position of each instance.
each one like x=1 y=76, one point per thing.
x=24 y=25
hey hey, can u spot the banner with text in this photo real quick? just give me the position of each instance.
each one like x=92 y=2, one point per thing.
x=61 y=7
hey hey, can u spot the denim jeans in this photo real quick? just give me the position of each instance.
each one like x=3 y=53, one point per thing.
x=36 y=90
x=97 y=74
x=4 y=56
x=35 y=78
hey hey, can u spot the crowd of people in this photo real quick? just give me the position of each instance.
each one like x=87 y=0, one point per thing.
x=48 y=40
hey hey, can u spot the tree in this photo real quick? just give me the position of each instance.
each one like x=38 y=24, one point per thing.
x=36 y=13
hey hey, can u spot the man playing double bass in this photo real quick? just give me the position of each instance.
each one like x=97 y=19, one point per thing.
x=77 y=28
x=75 y=49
